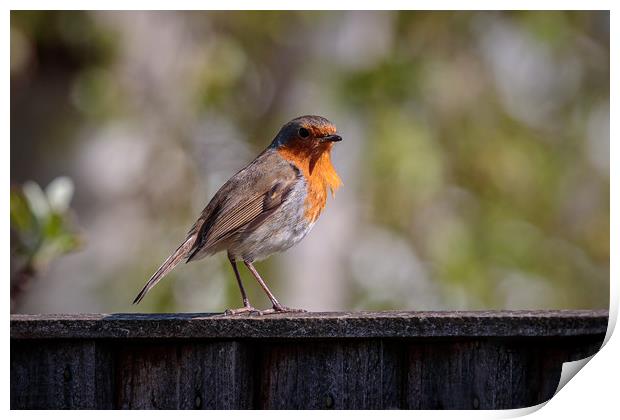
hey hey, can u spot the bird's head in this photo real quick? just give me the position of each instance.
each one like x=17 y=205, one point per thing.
x=307 y=142
x=310 y=132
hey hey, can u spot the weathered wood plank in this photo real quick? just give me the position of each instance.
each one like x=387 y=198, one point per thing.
x=178 y=375
x=475 y=374
x=312 y=325
x=60 y=374
x=321 y=375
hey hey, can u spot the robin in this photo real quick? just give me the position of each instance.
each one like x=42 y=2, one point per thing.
x=267 y=207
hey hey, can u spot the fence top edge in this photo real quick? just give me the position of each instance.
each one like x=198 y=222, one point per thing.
x=197 y=316
x=404 y=324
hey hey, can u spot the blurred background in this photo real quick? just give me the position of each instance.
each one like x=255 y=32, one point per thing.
x=475 y=156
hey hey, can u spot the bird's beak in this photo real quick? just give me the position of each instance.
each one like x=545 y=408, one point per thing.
x=331 y=138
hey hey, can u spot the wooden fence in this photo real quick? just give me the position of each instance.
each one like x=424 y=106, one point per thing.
x=407 y=360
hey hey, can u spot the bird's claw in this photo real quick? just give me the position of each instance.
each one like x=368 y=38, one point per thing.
x=250 y=310
x=244 y=310
x=278 y=309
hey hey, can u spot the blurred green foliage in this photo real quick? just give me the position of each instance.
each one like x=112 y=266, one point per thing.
x=42 y=230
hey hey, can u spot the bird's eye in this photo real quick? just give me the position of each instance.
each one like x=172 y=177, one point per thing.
x=303 y=133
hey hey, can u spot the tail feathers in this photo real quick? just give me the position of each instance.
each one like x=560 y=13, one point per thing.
x=171 y=262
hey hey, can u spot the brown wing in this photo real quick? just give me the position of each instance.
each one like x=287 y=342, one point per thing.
x=244 y=202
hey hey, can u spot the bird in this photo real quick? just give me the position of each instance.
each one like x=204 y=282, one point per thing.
x=265 y=208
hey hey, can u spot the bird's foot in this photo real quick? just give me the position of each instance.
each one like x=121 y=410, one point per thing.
x=245 y=310
x=278 y=309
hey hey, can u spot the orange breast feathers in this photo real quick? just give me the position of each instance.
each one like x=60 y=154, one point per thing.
x=316 y=165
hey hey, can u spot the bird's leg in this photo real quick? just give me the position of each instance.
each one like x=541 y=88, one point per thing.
x=277 y=307
x=246 y=302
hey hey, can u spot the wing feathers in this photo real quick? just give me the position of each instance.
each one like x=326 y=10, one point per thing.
x=239 y=214
x=237 y=217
